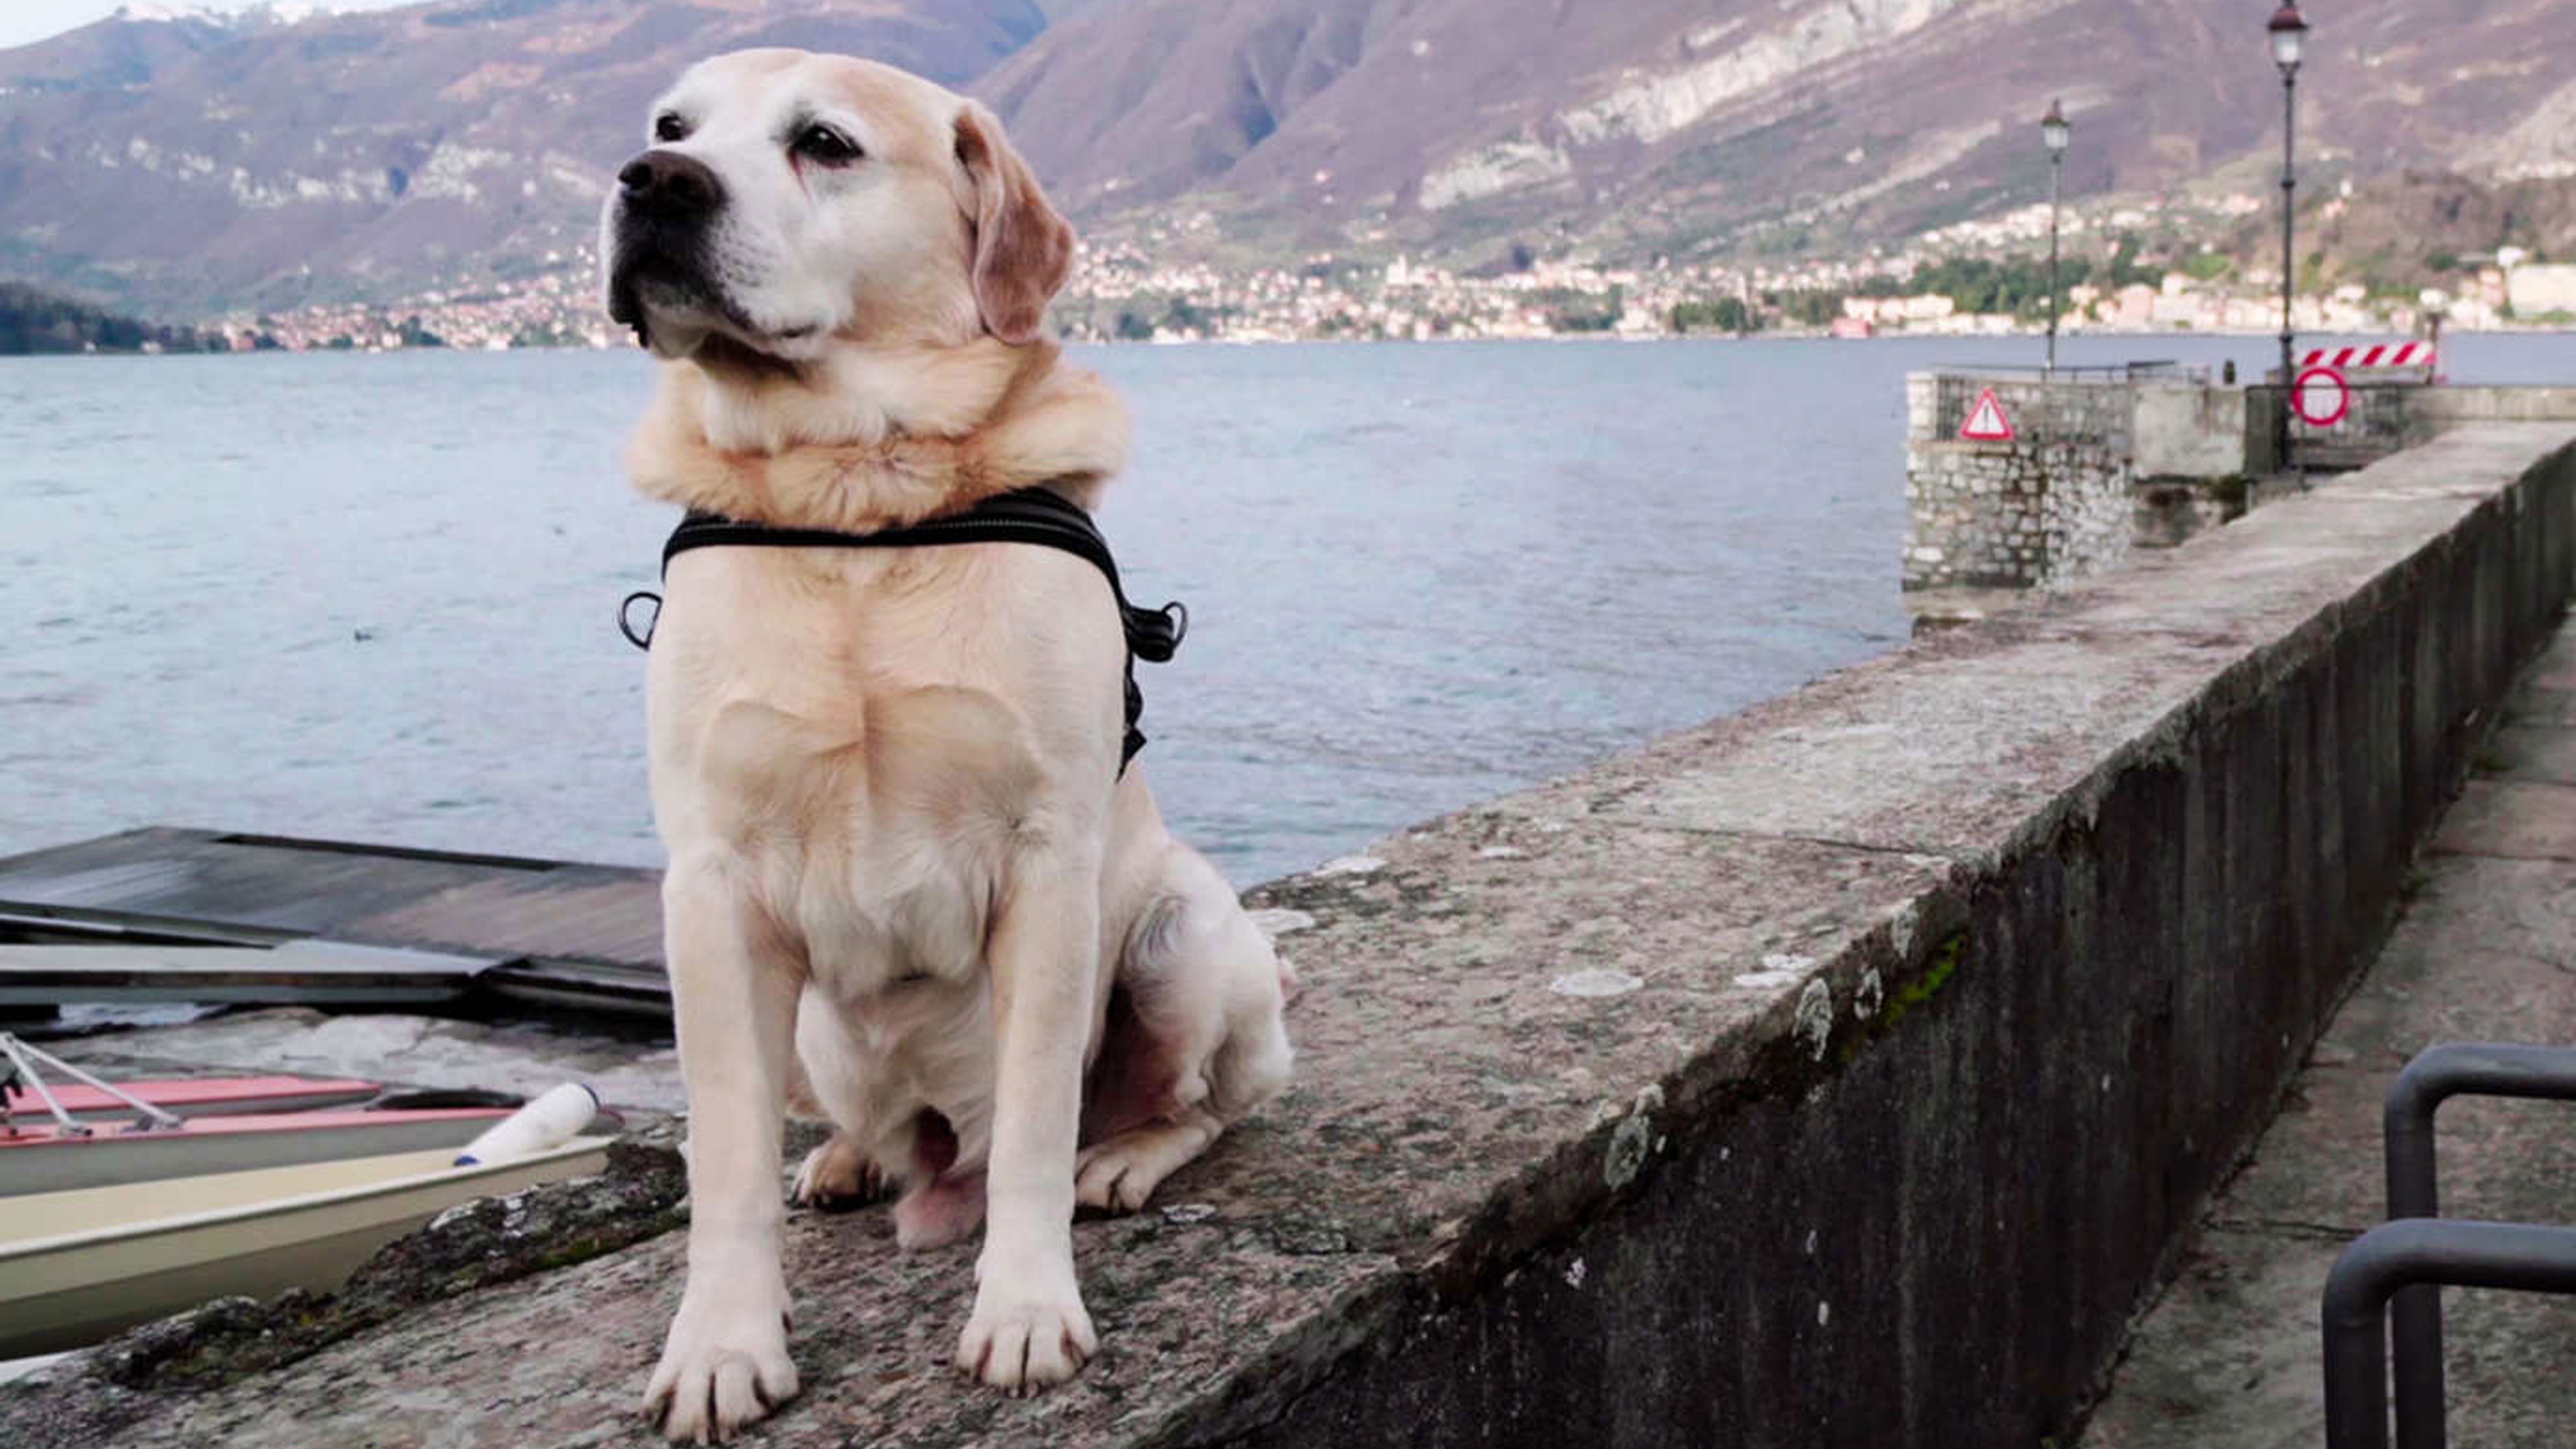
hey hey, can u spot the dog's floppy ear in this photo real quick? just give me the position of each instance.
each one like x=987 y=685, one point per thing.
x=1023 y=248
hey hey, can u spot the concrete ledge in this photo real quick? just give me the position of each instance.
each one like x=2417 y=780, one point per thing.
x=2451 y=405
x=1839 y=1072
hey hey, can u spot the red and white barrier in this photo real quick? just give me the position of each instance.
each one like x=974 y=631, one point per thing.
x=2376 y=355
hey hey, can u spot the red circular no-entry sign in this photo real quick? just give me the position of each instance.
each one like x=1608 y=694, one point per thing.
x=2321 y=396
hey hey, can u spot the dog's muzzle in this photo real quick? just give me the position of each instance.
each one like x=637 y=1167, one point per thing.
x=665 y=204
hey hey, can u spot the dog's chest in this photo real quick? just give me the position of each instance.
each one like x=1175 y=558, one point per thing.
x=869 y=755
x=893 y=926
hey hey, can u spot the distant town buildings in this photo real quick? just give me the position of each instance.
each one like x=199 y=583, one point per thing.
x=558 y=306
x=1125 y=289
x=2538 y=291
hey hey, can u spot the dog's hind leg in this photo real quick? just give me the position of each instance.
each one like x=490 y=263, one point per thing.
x=937 y=1211
x=839 y=1174
x=941 y=1201
x=1194 y=1040
x=836 y=1177
x=1118 y=1173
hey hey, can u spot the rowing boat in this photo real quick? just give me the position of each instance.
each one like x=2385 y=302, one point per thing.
x=53 y=1157
x=199 y=1096
x=78 y=1265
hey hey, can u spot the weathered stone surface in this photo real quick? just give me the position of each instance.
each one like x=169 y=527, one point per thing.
x=562 y=1362
x=1960 y=979
x=1504 y=1109
x=2535 y=753
x=2542 y=706
x=2529 y=818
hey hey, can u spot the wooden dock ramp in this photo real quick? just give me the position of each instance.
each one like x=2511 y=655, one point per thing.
x=414 y=924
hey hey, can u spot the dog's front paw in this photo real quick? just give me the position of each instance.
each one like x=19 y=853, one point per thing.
x=1021 y=1341
x=725 y=1364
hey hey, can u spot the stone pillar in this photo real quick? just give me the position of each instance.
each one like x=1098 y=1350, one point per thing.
x=2050 y=504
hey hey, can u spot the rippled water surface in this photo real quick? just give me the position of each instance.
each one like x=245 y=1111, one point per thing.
x=371 y=597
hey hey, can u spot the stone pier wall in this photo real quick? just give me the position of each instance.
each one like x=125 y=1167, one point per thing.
x=2177 y=806
x=2014 y=515
x=2053 y=503
x=1837 y=1072
x=2103 y=465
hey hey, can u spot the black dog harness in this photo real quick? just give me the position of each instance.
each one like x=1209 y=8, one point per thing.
x=1037 y=515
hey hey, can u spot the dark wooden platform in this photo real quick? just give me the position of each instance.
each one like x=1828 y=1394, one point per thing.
x=543 y=930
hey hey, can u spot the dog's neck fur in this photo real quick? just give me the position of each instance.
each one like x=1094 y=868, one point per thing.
x=877 y=438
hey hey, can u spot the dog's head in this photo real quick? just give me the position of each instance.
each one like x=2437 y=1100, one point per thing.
x=788 y=203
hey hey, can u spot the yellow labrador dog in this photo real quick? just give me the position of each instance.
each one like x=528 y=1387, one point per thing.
x=903 y=851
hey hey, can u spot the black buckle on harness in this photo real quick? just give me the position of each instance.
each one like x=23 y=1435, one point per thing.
x=1037 y=515
x=1155 y=635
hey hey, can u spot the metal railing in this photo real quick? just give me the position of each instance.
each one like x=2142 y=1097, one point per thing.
x=2396 y=1270
x=2162 y=367
x=2379 y=419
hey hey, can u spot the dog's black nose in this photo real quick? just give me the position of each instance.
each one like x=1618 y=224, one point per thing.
x=669 y=183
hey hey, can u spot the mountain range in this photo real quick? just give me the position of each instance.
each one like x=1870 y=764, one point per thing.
x=189 y=163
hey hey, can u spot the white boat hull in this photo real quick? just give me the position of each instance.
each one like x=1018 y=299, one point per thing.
x=77 y=1266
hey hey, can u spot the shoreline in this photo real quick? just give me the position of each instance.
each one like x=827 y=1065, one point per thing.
x=1766 y=335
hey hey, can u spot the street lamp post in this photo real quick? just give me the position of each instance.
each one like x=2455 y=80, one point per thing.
x=2053 y=133
x=2289 y=36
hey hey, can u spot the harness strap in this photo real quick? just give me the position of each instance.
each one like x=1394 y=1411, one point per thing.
x=1037 y=515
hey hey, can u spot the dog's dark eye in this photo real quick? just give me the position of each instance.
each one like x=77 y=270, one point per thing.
x=670 y=128
x=824 y=146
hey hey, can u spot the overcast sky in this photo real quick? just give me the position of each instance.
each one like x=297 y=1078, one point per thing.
x=24 y=20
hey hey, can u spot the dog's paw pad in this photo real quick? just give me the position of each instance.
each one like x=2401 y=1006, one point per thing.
x=1023 y=1345
x=721 y=1369
x=835 y=1178
x=1118 y=1174
x=1112 y=1181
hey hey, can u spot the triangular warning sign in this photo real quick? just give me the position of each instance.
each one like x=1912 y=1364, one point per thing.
x=1986 y=421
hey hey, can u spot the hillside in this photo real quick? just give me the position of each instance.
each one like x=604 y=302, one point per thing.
x=2422 y=229
x=34 y=321
x=1694 y=127
x=186 y=165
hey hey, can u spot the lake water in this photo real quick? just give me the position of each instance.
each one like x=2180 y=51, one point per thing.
x=371 y=597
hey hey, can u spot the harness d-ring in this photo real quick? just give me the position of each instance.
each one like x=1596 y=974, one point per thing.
x=626 y=620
